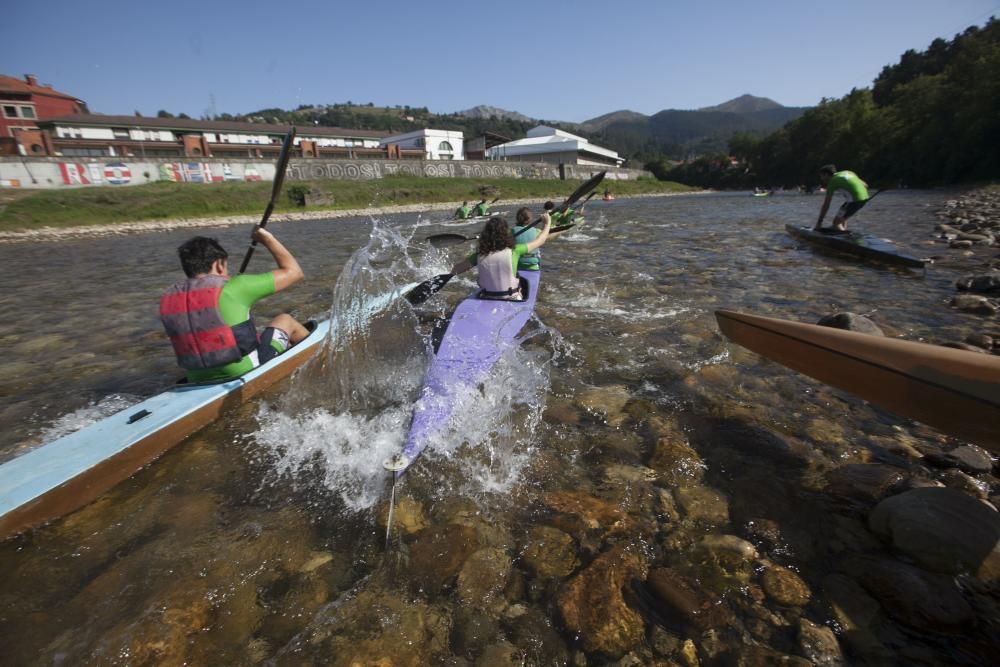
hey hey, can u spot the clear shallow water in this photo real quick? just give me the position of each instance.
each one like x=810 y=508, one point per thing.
x=263 y=537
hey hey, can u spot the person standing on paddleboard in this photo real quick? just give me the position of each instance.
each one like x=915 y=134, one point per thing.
x=848 y=183
x=497 y=258
x=207 y=316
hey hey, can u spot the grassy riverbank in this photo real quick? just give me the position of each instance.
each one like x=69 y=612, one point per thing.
x=166 y=201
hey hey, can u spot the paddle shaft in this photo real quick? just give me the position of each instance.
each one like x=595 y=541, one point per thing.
x=279 y=179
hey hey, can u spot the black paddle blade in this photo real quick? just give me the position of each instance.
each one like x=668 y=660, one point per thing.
x=583 y=190
x=442 y=240
x=424 y=290
x=562 y=228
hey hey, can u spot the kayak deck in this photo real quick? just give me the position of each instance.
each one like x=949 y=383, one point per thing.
x=953 y=390
x=67 y=473
x=479 y=332
x=859 y=245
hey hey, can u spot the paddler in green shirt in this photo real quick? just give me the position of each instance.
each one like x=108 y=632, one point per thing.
x=563 y=218
x=530 y=261
x=850 y=184
x=482 y=209
x=463 y=211
x=207 y=315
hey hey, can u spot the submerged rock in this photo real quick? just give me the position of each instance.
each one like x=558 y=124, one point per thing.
x=864 y=482
x=484 y=577
x=591 y=603
x=942 y=529
x=819 y=644
x=679 y=600
x=785 y=587
x=851 y=322
x=437 y=555
x=702 y=504
x=607 y=402
x=550 y=552
x=968 y=458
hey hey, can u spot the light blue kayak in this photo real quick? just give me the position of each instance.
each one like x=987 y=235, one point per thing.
x=67 y=473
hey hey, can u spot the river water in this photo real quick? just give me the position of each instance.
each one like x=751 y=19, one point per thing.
x=624 y=436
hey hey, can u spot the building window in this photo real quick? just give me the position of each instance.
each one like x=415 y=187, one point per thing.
x=445 y=146
x=10 y=111
x=28 y=112
x=120 y=133
x=37 y=148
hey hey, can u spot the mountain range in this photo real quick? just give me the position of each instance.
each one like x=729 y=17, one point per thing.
x=673 y=133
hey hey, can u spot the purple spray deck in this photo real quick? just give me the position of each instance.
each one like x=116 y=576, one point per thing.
x=477 y=335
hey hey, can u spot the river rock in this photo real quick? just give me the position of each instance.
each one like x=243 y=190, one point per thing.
x=503 y=654
x=819 y=644
x=958 y=244
x=592 y=606
x=971 y=303
x=680 y=600
x=917 y=598
x=851 y=322
x=589 y=512
x=785 y=587
x=535 y=629
x=437 y=555
x=980 y=340
x=729 y=546
x=753 y=655
x=864 y=482
x=484 y=576
x=954 y=478
x=550 y=552
x=942 y=529
x=702 y=504
x=984 y=284
x=673 y=457
x=607 y=402
x=408 y=516
x=856 y=612
x=969 y=458
x=618 y=473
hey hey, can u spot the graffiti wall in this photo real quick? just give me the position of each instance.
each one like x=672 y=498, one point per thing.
x=55 y=172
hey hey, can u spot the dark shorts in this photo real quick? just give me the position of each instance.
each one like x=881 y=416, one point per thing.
x=272 y=343
x=850 y=208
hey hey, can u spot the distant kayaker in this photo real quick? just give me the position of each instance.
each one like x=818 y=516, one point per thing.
x=497 y=259
x=482 y=209
x=207 y=316
x=524 y=233
x=607 y=195
x=463 y=211
x=563 y=218
x=848 y=183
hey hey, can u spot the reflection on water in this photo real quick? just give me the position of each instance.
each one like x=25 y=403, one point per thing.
x=626 y=483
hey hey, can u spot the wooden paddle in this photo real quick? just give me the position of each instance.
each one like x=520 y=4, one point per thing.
x=279 y=179
x=424 y=290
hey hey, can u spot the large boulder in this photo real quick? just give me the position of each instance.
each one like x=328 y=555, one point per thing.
x=851 y=322
x=942 y=529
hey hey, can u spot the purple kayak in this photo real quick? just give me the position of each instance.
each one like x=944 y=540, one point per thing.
x=477 y=335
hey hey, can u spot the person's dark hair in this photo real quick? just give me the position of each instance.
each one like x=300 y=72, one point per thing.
x=523 y=216
x=198 y=254
x=549 y=206
x=495 y=236
x=828 y=169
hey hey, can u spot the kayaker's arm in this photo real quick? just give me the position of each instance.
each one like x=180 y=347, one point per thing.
x=288 y=272
x=826 y=207
x=540 y=240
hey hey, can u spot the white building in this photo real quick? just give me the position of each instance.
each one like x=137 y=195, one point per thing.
x=547 y=144
x=436 y=144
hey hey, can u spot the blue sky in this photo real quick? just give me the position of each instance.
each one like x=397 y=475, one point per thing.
x=558 y=60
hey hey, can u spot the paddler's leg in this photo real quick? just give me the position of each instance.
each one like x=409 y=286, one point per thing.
x=281 y=333
x=845 y=212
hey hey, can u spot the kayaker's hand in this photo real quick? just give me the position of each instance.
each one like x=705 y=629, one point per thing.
x=546 y=219
x=261 y=235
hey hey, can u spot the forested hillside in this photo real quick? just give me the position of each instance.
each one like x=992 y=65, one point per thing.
x=932 y=118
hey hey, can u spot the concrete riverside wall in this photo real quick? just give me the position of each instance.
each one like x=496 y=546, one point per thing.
x=77 y=172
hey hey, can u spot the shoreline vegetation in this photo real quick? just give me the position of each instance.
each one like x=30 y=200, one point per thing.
x=81 y=212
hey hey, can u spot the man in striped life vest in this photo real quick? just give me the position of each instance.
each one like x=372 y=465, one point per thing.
x=207 y=316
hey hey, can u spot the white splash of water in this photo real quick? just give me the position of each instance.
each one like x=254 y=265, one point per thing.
x=85 y=416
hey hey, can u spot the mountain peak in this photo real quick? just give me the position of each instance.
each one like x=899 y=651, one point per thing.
x=486 y=111
x=745 y=104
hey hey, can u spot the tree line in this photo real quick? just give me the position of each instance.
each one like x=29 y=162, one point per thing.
x=933 y=118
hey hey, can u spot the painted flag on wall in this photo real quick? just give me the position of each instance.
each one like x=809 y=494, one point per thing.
x=210 y=176
x=192 y=173
x=117 y=173
x=73 y=174
x=169 y=172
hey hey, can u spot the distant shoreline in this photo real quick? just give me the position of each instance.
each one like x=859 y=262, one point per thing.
x=125 y=228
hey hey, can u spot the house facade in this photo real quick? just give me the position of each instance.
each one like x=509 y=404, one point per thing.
x=435 y=144
x=23 y=103
x=547 y=144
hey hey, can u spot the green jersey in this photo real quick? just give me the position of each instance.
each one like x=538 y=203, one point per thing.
x=237 y=296
x=463 y=212
x=850 y=183
x=482 y=208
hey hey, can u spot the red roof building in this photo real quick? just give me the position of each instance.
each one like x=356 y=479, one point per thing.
x=23 y=102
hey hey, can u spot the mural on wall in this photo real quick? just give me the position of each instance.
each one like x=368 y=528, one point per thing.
x=251 y=174
x=117 y=173
x=363 y=170
x=81 y=174
x=195 y=172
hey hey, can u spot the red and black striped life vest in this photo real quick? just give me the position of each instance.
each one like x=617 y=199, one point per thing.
x=190 y=313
